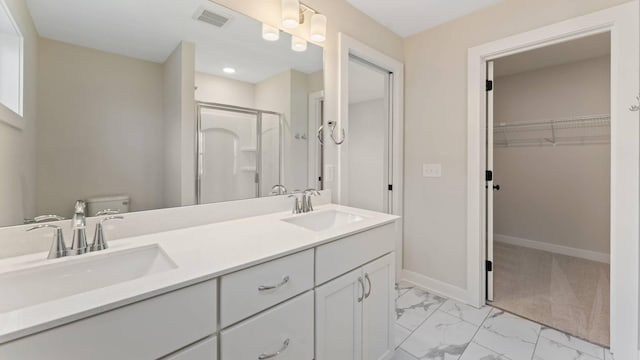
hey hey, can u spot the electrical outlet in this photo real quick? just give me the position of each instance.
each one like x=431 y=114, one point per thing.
x=431 y=170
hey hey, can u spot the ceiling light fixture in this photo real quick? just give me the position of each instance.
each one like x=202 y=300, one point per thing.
x=290 y=13
x=318 y=27
x=298 y=44
x=270 y=33
x=229 y=70
x=293 y=15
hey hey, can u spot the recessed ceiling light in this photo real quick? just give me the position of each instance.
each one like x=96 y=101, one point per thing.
x=229 y=70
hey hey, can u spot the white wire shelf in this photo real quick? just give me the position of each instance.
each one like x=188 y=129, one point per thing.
x=582 y=130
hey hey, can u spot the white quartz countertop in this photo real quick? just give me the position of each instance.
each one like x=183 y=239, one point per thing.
x=200 y=253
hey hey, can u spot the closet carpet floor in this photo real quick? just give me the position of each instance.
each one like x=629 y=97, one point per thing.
x=562 y=292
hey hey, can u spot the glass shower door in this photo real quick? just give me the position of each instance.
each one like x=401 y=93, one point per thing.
x=228 y=155
x=270 y=161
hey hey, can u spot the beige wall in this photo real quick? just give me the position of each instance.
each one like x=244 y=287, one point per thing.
x=435 y=126
x=557 y=195
x=17 y=146
x=217 y=89
x=99 y=128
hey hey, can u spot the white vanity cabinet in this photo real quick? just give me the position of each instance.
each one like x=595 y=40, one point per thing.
x=149 y=329
x=206 y=349
x=284 y=332
x=247 y=292
x=354 y=314
x=331 y=301
x=355 y=311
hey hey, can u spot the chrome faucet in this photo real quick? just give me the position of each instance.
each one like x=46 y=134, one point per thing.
x=99 y=240
x=278 y=190
x=297 y=208
x=307 y=206
x=58 y=247
x=79 y=228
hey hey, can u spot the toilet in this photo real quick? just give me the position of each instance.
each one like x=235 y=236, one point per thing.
x=118 y=203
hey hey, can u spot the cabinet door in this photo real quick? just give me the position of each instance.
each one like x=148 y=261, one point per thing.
x=378 y=309
x=339 y=318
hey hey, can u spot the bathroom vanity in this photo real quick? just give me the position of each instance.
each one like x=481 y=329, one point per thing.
x=318 y=285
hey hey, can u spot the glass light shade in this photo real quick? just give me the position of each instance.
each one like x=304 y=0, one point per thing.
x=298 y=44
x=290 y=13
x=270 y=33
x=318 y=28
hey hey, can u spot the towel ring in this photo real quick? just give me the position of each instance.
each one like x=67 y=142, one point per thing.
x=333 y=125
x=320 y=139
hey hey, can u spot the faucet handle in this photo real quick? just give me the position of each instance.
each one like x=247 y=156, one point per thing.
x=307 y=206
x=44 y=218
x=99 y=241
x=58 y=247
x=107 y=212
x=297 y=209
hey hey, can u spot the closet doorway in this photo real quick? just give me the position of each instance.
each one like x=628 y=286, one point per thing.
x=548 y=181
x=369 y=160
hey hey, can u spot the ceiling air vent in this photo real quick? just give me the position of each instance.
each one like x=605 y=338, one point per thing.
x=212 y=18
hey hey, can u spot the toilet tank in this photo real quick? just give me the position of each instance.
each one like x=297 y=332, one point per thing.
x=119 y=203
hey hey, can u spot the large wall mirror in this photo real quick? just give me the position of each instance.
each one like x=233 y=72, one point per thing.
x=143 y=105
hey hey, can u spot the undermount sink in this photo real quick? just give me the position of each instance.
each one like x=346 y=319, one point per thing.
x=55 y=281
x=324 y=220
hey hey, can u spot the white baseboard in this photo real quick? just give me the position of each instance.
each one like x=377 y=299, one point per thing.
x=436 y=286
x=553 y=248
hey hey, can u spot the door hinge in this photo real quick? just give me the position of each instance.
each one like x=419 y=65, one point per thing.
x=489 y=265
x=256 y=179
x=489 y=85
x=390 y=187
x=488 y=175
x=319 y=178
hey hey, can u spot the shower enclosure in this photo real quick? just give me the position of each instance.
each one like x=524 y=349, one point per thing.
x=239 y=152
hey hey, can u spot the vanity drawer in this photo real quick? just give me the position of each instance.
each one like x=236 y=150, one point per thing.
x=343 y=255
x=148 y=329
x=267 y=333
x=245 y=292
x=206 y=349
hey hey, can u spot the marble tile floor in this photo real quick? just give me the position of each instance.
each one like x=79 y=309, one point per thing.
x=433 y=327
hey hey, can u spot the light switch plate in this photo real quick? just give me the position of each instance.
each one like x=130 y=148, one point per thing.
x=431 y=170
x=328 y=173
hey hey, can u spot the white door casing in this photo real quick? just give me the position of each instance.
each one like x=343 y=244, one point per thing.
x=349 y=46
x=489 y=181
x=622 y=22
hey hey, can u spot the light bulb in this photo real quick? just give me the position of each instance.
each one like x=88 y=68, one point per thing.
x=298 y=44
x=270 y=33
x=318 y=28
x=290 y=13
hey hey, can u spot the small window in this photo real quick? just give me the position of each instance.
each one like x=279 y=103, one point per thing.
x=11 y=43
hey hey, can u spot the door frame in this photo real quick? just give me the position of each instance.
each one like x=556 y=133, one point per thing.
x=622 y=22
x=349 y=46
x=314 y=150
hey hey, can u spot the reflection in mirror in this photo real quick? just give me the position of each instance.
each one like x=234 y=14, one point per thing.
x=142 y=106
x=10 y=61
